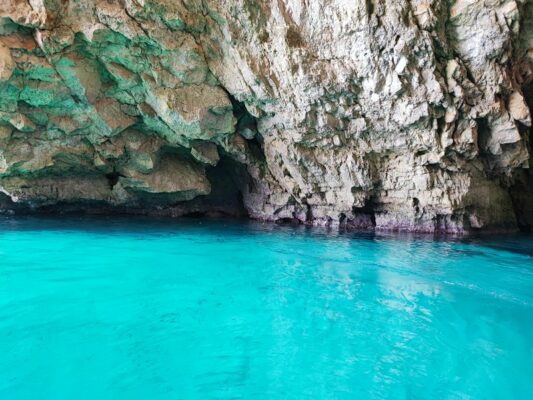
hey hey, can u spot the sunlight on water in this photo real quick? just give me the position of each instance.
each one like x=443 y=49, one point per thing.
x=149 y=309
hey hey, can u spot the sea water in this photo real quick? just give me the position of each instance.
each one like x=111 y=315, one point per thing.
x=135 y=308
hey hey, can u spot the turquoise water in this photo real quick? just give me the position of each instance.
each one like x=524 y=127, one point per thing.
x=148 y=309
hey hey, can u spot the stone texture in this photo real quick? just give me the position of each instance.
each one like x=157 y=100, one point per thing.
x=411 y=115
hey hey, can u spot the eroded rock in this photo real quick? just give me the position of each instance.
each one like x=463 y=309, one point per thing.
x=410 y=115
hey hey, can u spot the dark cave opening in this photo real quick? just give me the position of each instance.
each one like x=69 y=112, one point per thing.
x=247 y=128
x=363 y=217
x=7 y=206
x=228 y=179
x=113 y=178
x=288 y=221
x=521 y=191
x=483 y=129
x=416 y=205
x=194 y=214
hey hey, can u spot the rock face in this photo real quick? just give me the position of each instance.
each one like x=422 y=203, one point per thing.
x=411 y=115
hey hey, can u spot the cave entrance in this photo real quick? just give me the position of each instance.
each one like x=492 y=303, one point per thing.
x=522 y=189
x=228 y=180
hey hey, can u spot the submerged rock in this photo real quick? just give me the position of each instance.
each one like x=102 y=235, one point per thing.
x=411 y=115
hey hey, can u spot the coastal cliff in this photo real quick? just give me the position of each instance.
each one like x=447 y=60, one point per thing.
x=408 y=115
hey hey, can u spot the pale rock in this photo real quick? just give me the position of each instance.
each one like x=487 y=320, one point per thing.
x=206 y=153
x=518 y=108
x=6 y=62
x=170 y=176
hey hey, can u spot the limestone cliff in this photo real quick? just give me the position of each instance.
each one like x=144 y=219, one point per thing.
x=392 y=114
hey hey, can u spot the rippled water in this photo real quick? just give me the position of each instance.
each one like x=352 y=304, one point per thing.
x=146 y=309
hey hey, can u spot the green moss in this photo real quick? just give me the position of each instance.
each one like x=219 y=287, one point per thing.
x=43 y=74
x=147 y=46
x=120 y=55
x=9 y=95
x=64 y=106
x=159 y=127
x=133 y=95
x=36 y=97
x=216 y=17
x=38 y=117
x=7 y=26
x=104 y=74
x=175 y=24
x=103 y=36
x=211 y=79
x=65 y=68
x=53 y=133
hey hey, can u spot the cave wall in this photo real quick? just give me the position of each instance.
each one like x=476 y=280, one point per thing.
x=410 y=115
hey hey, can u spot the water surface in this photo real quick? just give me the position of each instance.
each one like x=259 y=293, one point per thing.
x=118 y=308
